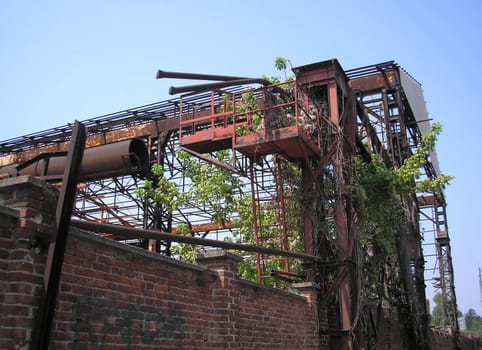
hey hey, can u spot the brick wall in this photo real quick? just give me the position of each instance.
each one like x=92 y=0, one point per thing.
x=390 y=337
x=442 y=340
x=113 y=296
x=26 y=220
x=469 y=342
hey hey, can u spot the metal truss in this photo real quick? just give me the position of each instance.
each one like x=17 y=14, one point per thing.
x=315 y=126
x=391 y=128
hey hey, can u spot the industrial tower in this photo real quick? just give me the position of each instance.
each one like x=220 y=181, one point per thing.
x=293 y=146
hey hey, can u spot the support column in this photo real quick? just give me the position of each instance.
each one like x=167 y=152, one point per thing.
x=225 y=297
x=27 y=215
x=310 y=291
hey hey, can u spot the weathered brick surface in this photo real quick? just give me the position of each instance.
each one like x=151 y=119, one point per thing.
x=26 y=219
x=113 y=296
x=441 y=340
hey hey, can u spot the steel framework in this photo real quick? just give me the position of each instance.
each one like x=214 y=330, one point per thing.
x=292 y=152
x=392 y=121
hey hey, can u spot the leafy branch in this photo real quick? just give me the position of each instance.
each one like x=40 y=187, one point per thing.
x=379 y=208
x=409 y=172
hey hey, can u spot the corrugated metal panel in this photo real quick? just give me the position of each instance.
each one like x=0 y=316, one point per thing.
x=414 y=93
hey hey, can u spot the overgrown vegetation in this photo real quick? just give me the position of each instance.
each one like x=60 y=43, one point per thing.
x=245 y=112
x=473 y=323
x=408 y=174
x=436 y=316
x=380 y=215
x=210 y=187
x=378 y=196
x=471 y=320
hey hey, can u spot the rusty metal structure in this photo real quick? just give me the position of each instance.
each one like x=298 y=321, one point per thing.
x=292 y=146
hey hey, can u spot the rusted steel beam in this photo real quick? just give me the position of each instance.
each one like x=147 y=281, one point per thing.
x=103 y=161
x=55 y=259
x=342 y=115
x=213 y=161
x=373 y=82
x=221 y=81
x=127 y=133
x=101 y=207
x=207 y=227
x=130 y=233
x=430 y=201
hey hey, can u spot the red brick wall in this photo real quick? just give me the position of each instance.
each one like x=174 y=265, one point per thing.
x=468 y=342
x=113 y=296
x=119 y=297
x=444 y=341
x=389 y=337
x=21 y=267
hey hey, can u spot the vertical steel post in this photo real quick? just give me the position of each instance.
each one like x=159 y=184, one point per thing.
x=341 y=219
x=53 y=268
x=256 y=225
x=282 y=211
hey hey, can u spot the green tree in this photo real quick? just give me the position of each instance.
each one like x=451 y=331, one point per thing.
x=436 y=316
x=281 y=64
x=436 y=319
x=210 y=187
x=473 y=323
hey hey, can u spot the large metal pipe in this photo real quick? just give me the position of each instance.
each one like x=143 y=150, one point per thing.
x=114 y=159
x=131 y=232
x=225 y=81
x=195 y=76
x=203 y=87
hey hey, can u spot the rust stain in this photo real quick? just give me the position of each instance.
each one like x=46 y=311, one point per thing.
x=92 y=141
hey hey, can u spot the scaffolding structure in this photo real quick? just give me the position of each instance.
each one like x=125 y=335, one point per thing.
x=292 y=147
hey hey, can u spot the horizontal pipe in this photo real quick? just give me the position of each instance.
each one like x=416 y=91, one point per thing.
x=104 y=161
x=131 y=233
x=203 y=87
x=195 y=76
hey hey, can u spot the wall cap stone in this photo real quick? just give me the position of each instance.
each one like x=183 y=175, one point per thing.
x=305 y=285
x=14 y=213
x=269 y=289
x=24 y=179
x=218 y=254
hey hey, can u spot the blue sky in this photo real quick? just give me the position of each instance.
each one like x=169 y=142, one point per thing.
x=67 y=60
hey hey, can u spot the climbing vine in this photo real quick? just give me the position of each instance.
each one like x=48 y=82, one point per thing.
x=379 y=206
x=380 y=216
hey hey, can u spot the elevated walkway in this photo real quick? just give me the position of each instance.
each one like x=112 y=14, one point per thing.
x=256 y=122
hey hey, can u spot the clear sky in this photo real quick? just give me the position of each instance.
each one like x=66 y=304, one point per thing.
x=67 y=60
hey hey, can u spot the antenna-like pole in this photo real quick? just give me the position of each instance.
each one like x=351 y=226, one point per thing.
x=480 y=283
